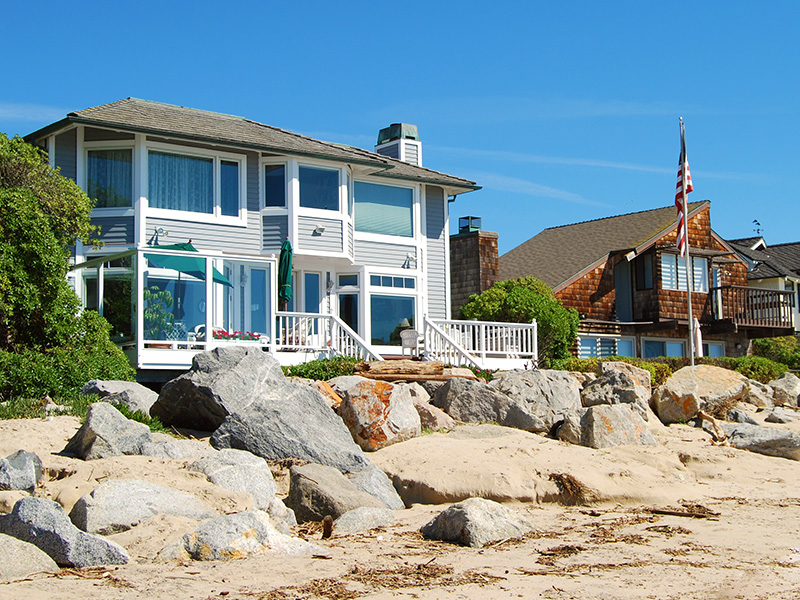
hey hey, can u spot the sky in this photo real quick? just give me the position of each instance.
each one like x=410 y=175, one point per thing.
x=562 y=111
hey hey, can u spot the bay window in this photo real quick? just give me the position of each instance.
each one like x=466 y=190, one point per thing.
x=384 y=209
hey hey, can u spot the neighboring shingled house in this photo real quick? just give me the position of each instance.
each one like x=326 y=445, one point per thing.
x=775 y=267
x=625 y=278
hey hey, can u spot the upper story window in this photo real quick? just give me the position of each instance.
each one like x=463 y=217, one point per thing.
x=275 y=186
x=644 y=272
x=384 y=209
x=319 y=188
x=200 y=184
x=673 y=273
x=109 y=177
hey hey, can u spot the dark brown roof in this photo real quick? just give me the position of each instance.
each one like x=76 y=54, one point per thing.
x=558 y=254
x=144 y=116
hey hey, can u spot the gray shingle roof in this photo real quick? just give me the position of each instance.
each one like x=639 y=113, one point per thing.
x=559 y=253
x=133 y=114
x=779 y=260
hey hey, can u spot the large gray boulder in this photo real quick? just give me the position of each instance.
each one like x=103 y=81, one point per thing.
x=605 y=426
x=166 y=446
x=374 y=482
x=703 y=387
x=476 y=522
x=237 y=536
x=316 y=491
x=764 y=440
x=129 y=393
x=221 y=382
x=291 y=420
x=786 y=389
x=240 y=471
x=430 y=416
x=20 y=471
x=377 y=413
x=641 y=377
x=545 y=395
x=119 y=505
x=363 y=519
x=44 y=524
x=19 y=559
x=615 y=386
x=106 y=432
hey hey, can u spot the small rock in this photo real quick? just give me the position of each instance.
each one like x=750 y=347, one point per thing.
x=129 y=393
x=20 y=471
x=363 y=519
x=476 y=522
x=781 y=415
x=240 y=471
x=106 y=432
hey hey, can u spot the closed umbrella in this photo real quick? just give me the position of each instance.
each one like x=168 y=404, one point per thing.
x=285 y=275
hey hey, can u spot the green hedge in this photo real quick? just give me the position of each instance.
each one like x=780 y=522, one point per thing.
x=753 y=367
x=323 y=368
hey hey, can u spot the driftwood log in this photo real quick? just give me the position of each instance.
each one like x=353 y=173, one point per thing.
x=410 y=370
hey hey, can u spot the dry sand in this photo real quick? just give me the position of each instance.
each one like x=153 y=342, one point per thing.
x=685 y=519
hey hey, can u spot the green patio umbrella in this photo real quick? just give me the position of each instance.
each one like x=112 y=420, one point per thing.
x=285 y=274
x=196 y=267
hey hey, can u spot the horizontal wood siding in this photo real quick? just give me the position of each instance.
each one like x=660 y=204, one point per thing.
x=211 y=236
x=67 y=153
x=435 y=231
x=115 y=230
x=383 y=255
x=253 y=200
x=330 y=240
x=350 y=244
x=276 y=230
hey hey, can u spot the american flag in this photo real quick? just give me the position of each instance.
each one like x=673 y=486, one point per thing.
x=683 y=163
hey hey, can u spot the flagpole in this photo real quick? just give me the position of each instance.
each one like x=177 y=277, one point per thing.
x=689 y=273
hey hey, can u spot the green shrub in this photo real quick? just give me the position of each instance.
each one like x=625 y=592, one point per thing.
x=323 y=368
x=521 y=301
x=785 y=350
x=753 y=367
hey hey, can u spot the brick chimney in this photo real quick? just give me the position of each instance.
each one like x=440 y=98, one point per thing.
x=474 y=265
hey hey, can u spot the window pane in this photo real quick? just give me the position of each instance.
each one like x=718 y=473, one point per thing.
x=588 y=347
x=669 y=277
x=109 y=177
x=390 y=315
x=312 y=295
x=608 y=347
x=386 y=281
x=409 y=283
x=258 y=301
x=348 y=280
x=229 y=188
x=348 y=310
x=625 y=348
x=319 y=188
x=700 y=274
x=653 y=349
x=181 y=182
x=275 y=185
x=384 y=209
x=397 y=282
x=674 y=348
x=713 y=350
x=374 y=279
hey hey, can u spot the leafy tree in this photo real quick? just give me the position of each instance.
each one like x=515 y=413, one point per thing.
x=41 y=214
x=521 y=301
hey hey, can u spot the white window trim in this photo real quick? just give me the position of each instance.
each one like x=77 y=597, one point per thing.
x=319 y=212
x=198 y=217
x=262 y=186
x=678 y=261
x=116 y=211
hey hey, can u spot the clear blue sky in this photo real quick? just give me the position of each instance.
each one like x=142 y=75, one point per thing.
x=562 y=111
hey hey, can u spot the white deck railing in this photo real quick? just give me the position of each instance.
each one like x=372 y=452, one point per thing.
x=493 y=340
x=322 y=333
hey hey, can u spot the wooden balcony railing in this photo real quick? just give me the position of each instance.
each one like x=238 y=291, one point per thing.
x=753 y=307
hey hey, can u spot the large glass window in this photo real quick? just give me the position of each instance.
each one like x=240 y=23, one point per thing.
x=109 y=177
x=187 y=183
x=275 y=186
x=390 y=316
x=319 y=188
x=653 y=348
x=384 y=209
x=597 y=346
x=673 y=273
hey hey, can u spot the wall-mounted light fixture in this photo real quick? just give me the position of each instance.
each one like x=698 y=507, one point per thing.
x=156 y=233
x=410 y=262
x=319 y=230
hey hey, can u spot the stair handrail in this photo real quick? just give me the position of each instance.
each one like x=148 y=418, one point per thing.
x=453 y=345
x=367 y=351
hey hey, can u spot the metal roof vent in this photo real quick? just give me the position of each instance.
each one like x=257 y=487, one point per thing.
x=400 y=141
x=469 y=224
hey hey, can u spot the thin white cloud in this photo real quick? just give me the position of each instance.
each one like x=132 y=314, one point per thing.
x=10 y=111
x=515 y=185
